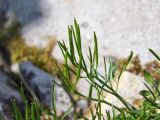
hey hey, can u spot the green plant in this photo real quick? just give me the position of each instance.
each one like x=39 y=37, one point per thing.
x=100 y=82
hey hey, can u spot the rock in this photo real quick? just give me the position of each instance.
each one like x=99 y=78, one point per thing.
x=118 y=24
x=82 y=105
x=8 y=93
x=7 y=17
x=3 y=11
x=42 y=83
x=5 y=60
x=129 y=87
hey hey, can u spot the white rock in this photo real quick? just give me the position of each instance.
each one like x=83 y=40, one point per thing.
x=129 y=87
x=121 y=25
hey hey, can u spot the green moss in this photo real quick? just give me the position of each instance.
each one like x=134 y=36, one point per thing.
x=40 y=57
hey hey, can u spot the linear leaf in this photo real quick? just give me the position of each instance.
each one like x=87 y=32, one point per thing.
x=95 y=50
x=148 y=78
x=125 y=65
x=67 y=113
x=154 y=54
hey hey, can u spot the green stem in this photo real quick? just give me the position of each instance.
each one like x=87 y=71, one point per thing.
x=102 y=101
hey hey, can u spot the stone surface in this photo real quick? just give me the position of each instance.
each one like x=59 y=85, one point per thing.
x=129 y=87
x=121 y=26
x=8 y=93
x=3 y=10
x=42 y=83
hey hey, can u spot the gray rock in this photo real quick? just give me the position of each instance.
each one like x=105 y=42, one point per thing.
x=42 y=84
x=8 y=93
x=7 y=17
x=4 y=6
x=27 y=11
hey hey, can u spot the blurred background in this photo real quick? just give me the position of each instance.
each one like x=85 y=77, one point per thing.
x=121 y=25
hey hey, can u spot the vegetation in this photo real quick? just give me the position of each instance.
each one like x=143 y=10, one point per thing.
x=98 y=81
x=41 y=57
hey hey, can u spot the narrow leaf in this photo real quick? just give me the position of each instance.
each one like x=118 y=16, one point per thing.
x=95 y=50
x=125 y=65
x=148 y=78
x=66 y=113
x=154 y=54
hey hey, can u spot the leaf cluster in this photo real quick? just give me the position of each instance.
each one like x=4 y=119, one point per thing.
x=100 y=82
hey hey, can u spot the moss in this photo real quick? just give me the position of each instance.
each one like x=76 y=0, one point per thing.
x=152 y=67
x=40 y=57
x=134 y=67
x=137 y=68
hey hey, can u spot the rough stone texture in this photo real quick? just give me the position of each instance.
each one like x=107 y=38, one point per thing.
x=8 y=93
x=39 y=81
x=3 y=9
x=121 y=25
x=129 y=87
x=42 y=84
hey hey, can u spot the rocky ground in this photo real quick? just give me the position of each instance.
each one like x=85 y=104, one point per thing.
x=38 y=83
x=121 y=26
